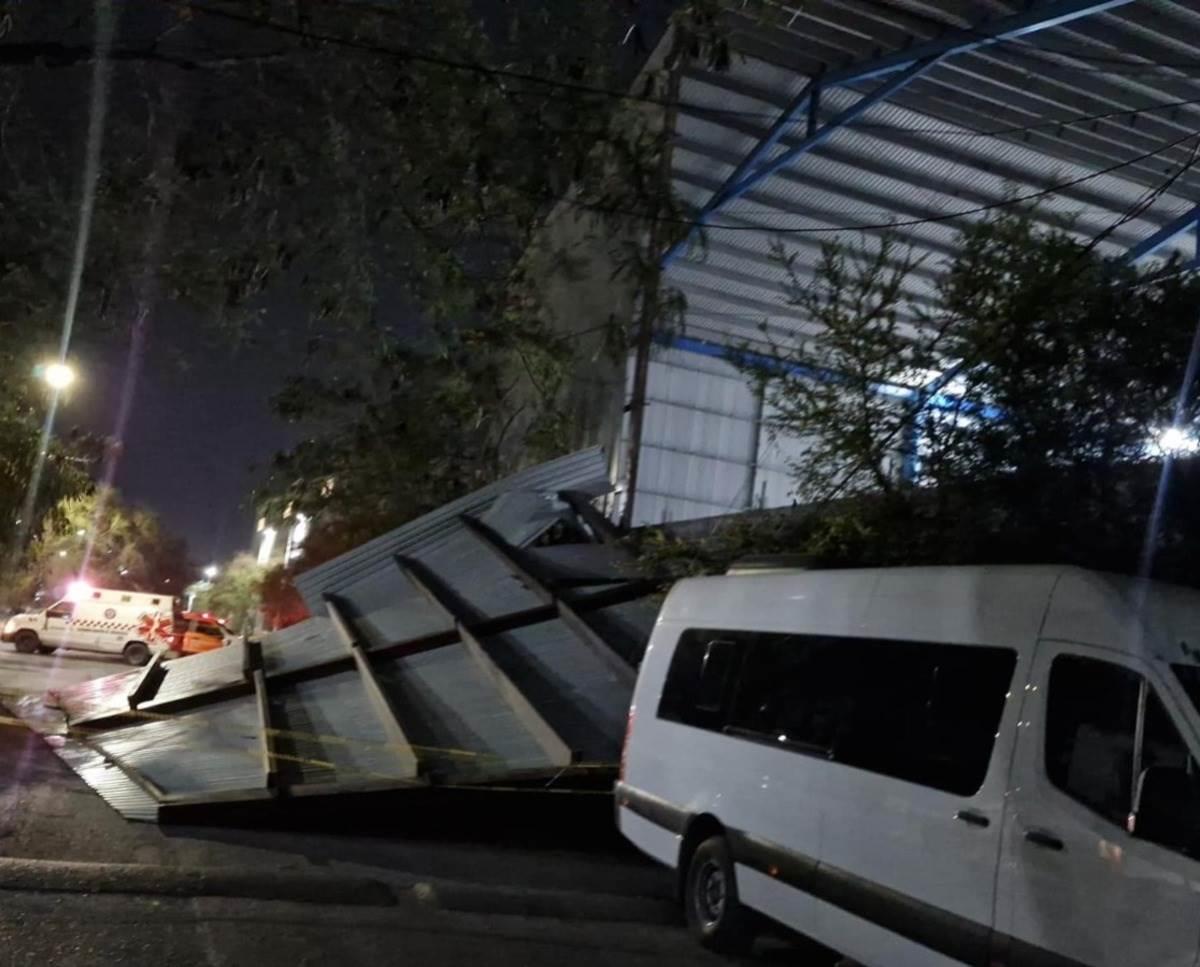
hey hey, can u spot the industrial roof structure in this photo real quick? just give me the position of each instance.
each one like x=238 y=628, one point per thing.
x=849 y=120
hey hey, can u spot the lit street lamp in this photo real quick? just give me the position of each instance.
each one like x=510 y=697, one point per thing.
x=58 y=376
x=211 y=572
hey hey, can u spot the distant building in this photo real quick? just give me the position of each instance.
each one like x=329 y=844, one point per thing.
x=281 y=541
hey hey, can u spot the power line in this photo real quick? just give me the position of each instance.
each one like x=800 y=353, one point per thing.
x=549 y=83
x=885 y=226
x=461 y=65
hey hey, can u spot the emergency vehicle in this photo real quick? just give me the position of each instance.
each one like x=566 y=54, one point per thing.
x=133 y=624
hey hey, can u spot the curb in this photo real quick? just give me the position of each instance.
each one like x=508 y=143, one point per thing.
x=59 y=876
x=554 y=904
x=64 y=876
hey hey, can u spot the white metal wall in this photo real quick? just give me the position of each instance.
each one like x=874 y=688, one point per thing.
x=704 y=452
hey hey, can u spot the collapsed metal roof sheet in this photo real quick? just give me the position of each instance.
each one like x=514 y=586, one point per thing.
x=450 y=651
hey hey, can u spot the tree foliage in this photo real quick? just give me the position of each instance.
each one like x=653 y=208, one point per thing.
x=381 y=169
x=1026 y=401
x=235 y=594
x=99 y=538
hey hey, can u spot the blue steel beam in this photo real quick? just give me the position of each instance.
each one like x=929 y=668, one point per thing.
x=931 y=396
x=1189 y=221
x=912 y=61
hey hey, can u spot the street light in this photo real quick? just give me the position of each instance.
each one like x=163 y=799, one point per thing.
x=211 y=572
x=58 y=376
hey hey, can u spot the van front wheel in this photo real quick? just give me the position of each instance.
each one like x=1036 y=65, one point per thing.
x=714 y=914
x=26 y=642
x=136 y=653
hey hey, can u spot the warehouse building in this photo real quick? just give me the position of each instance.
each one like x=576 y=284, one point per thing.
x=849 y=120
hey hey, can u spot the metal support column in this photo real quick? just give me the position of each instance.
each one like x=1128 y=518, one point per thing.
x=252 y=671
x=509 y=556
x=1187 y=222
x=410 y=767
x=552 y=745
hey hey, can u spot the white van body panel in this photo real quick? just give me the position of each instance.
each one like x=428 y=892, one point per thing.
x=901 y=845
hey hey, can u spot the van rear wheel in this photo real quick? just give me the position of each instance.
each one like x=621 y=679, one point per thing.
x=137 y=653
x=26 y=642
x=715 y=915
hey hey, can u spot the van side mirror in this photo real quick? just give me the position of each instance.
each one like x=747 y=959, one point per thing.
x=1166 y=809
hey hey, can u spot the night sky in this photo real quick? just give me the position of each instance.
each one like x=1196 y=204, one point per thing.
x=201 y=431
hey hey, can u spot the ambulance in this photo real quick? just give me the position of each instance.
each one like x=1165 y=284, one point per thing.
x=132 y=624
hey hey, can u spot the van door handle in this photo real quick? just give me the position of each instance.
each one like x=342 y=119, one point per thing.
x=973 y=818
x=1044 y=838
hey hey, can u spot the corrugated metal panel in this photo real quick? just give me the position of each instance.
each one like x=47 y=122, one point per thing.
x=698 y=437
x=450 y=708
x=585 y=470
x=328 y=732
x=208 y=751
x=571 y=687
x=110 y=783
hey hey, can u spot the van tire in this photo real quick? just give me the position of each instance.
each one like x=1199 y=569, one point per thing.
x=715 y=915
x=137 y=653
x=27 y=642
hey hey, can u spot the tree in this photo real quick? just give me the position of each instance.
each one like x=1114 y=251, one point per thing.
x=383 y=167
x=235 y=594
x=1026 y=407
x=99 y=538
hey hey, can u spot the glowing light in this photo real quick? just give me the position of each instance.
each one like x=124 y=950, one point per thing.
x=267 y=546
x=1174 y=441
x=62 y=553
x=211 y=572
x=58 y=376
x=78 y=590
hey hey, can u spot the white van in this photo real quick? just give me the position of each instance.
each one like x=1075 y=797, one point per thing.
x=128 y=623
x=927 y=766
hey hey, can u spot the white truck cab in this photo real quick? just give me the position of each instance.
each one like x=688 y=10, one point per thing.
x=923 y=767
x=129 y=623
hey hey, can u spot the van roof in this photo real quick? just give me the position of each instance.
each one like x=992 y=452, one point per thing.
x=987 y=604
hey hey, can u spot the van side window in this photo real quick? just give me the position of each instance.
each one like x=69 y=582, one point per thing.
x=1091 y=717
x=1092 y=751
x=64 y=609
x=698 y=682
x=918 y=711
x=922 y=712
x=125 y=598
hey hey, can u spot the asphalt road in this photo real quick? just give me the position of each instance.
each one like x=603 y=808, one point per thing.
x=46 y=812
x=73 y=931
x=24 y=674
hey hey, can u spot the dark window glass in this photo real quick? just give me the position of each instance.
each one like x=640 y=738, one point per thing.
x=926 y=713
x=64 y=609
x=1091 y=721
x=1162 y=745
x=698 y=681
x=1189 y=678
